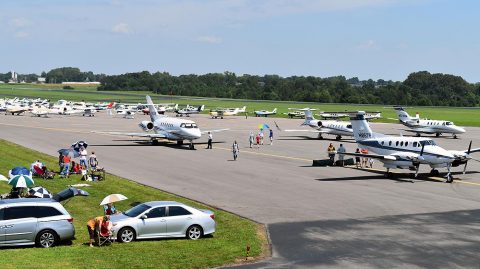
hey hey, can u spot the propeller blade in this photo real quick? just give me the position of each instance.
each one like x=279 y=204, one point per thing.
x=469 y=147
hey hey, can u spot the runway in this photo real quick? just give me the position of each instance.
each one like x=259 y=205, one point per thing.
x=327 y=217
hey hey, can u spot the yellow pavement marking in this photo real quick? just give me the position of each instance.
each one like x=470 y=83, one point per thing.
x=268 y=155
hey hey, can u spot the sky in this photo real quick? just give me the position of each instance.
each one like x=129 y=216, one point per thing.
x=368 y=39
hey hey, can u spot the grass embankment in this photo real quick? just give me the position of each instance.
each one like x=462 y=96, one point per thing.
x=227 y=245
x=460 y=116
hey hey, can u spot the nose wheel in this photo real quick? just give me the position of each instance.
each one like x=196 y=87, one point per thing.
x=191 y=146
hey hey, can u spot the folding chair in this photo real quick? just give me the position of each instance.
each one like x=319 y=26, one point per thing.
x=105 y=234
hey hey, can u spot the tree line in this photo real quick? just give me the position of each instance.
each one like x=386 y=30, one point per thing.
x=419 y=89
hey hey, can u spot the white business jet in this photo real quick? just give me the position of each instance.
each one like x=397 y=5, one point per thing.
x=406 y=152
x=427 y=126
x=331 y=127
x=162 y=126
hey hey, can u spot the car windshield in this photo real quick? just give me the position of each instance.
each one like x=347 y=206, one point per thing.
x=137 y=210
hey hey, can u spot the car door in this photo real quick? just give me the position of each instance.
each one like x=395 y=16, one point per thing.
x=178 y=220
x=21 y=224
x=154 y=225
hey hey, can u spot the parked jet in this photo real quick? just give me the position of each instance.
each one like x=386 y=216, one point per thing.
x=16 y=109
x=331 y=127
x=264 y=113
x=407 y=152
x=162 y=126
x=427 y=126
x=187 y=111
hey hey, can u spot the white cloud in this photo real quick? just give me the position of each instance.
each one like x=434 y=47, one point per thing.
x=22 y=34
x=210 y=39
x=121 y=28
x=19 y=22
x=368 y=45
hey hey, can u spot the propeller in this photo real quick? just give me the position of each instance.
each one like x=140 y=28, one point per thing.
x=418 y=163
x=468 y=155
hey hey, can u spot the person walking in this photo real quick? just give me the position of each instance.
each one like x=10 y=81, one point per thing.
x=364 y=159
x=270 y=135
x=340 y=152
x=235 y=150
x=331 y=152
x=251 y=139
x=258 y=140
x=92 y=161
x=210 y=138
x=357 y=159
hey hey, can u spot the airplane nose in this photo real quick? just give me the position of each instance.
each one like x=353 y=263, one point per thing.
x=460 y=129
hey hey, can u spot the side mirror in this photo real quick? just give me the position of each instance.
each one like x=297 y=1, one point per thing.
x=144 y=217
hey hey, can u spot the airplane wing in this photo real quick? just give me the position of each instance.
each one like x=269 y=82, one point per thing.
x=420 y=130
x=473 y=150
x=374 y=156
x=308 y=131
x=215 y=131
x=150 y=135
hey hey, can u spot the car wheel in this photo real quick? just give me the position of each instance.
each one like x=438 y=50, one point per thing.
x=126 y=235
x=194 y=232
x=46 y=239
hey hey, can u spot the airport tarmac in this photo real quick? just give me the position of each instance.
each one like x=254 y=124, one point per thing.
x=328 y=217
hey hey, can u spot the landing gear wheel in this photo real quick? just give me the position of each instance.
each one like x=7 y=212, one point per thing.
x=417 y=135
x=154 y=142
x=180 y=142
x=449 y=179
x=454 y=136
x=434 y=172
x=320 y=137
x=191 y=146
x=388 y=175
x=194 y=232
x=338 y=137
x=437 y=135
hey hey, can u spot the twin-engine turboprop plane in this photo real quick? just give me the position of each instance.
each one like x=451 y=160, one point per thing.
x=331 y=127
x=162 y=126
x=426 y=126
x=407 y=152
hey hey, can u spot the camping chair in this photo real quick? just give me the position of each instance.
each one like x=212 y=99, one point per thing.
x=43 y=173
x=105 y=234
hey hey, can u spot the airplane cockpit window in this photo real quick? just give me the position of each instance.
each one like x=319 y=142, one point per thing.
x=349 y=126
x=182 y=125
x=448 y=123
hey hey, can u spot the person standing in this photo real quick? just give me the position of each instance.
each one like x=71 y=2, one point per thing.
x=261 y=136
x=258 y=140
x=235 y=150
x=210 y=139
x=270 y=135
x=83 y=157
x=92 y=161
x=331 y=152
x=60 y=162
x=251 y=139
x=364 y=159
x=357 y=159
x=66 y=166
x=340 y=152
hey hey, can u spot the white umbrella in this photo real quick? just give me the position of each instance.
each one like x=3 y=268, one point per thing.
x=112 y=198
x=3 y=178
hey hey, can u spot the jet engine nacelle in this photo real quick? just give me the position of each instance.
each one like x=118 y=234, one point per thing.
x=146 y=125
x=319 y=123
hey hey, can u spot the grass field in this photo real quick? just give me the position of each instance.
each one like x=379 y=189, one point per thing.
x=460 y=116
x=226 y=246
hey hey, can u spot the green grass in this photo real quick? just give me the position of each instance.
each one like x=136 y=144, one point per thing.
x=460 y=116
x=226 y=246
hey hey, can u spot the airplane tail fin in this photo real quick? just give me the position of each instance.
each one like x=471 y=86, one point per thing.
x=402 y=114
x=152 y=110
x=244 y=108
x=308 y=117
x=274 y=110
x=200 y=108
x=361 y=128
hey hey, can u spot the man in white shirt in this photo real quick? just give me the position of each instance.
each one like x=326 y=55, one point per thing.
x=83 y=157
x=210 y=138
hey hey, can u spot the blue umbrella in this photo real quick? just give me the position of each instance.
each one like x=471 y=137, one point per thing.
x=71 y=152
x=19 y=170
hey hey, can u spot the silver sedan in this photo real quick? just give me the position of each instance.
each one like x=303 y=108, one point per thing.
x=161 y=219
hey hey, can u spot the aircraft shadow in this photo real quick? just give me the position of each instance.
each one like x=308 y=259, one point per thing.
x=148 y=143
x=304 y=137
